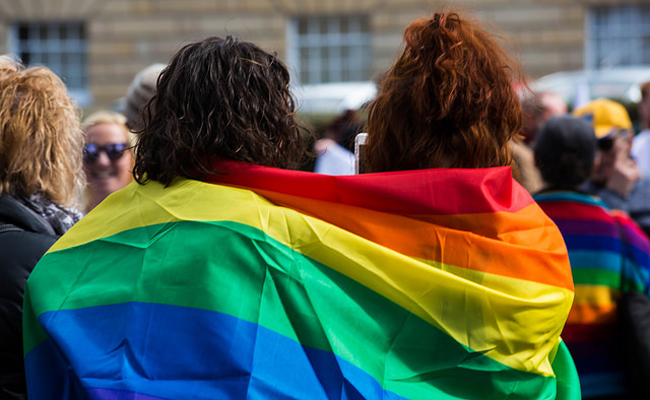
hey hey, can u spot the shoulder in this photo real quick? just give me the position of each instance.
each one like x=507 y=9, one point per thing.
x=24 y=239
x=642 y=140
x=19 y=215
x=641 y=192
x=22 y=249
x=643 y=183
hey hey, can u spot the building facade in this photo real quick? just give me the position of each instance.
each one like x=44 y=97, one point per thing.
x=99 y=45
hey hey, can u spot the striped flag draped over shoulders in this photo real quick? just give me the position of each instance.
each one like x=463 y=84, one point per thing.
x=605 y=246
x=263 y=283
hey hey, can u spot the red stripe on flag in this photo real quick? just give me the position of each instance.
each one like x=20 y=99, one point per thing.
x=433 y=191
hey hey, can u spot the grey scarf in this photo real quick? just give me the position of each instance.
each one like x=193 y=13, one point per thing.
x=59 y=217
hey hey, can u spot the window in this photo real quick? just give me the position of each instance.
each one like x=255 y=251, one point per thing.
x=618 y=35
x=60 y=46
x=330 y=49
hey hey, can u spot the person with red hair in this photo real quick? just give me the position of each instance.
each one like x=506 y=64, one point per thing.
x=449 y=106
x=448 y=102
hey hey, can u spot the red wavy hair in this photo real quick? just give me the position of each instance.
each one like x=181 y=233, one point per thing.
x=449 y=100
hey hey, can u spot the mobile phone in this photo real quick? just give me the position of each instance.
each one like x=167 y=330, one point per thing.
x=360 y=153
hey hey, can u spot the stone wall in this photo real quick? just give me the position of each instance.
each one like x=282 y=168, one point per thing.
x=125 y=36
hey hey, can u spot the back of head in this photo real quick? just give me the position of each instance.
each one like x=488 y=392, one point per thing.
x=140 y=92
x=41 y=140
x=449 y=100
x=221 y=98
x=565 y=151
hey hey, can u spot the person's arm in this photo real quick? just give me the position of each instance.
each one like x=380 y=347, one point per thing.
x=636 y=250
x=625 y=174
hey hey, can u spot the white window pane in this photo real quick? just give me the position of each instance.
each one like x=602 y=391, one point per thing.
x=324 y=46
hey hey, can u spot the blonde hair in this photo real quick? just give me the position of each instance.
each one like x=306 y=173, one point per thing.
x=109 y=117
x=100 y=118
x=41 y=139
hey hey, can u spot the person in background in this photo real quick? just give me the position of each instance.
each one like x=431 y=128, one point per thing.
x=617 y=179
x=108 y=156
x=41 y=182
x=600 y=241
x=335 y=151
x=524 y=168
x=641 y=142
x=140 y=91
x=449 y=102
x=553 y=104
x=538 y=107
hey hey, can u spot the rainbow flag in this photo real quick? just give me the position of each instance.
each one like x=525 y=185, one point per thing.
x=600 y=241
x=262 y=283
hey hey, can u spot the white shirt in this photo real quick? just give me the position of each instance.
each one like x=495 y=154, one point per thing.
x=335 y=160
x=641 y=151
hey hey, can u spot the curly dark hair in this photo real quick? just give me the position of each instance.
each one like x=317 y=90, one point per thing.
x=219 y=97
x=448 y=101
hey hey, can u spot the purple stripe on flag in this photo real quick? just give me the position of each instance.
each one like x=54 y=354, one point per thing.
x=109 y=394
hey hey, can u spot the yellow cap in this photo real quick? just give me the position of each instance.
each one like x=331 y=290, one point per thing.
x=606 y=116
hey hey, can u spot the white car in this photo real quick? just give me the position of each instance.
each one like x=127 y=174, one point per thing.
x=578 y=87
x=333 y=98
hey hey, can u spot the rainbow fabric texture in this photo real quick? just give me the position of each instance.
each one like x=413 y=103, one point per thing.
x=598 y=239
x=269 y=284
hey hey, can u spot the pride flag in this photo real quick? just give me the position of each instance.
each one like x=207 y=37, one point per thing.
x=600 y=242
x=270 y=284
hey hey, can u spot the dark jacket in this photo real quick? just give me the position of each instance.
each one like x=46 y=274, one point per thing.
x=24 y=237
x=636 y=204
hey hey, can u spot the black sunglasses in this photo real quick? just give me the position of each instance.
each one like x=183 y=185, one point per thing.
x=114 y=151
x=606 y=144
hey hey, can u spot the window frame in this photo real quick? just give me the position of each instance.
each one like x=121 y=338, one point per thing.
x=627 y=26
x=325 y=40
x=61 y=46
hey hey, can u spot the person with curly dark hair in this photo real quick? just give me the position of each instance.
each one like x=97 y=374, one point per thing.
x=219 y=98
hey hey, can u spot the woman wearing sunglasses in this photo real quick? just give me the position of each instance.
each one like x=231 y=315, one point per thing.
x=108 y=160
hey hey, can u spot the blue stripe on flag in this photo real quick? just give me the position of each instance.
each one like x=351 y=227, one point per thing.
x=176 y=352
